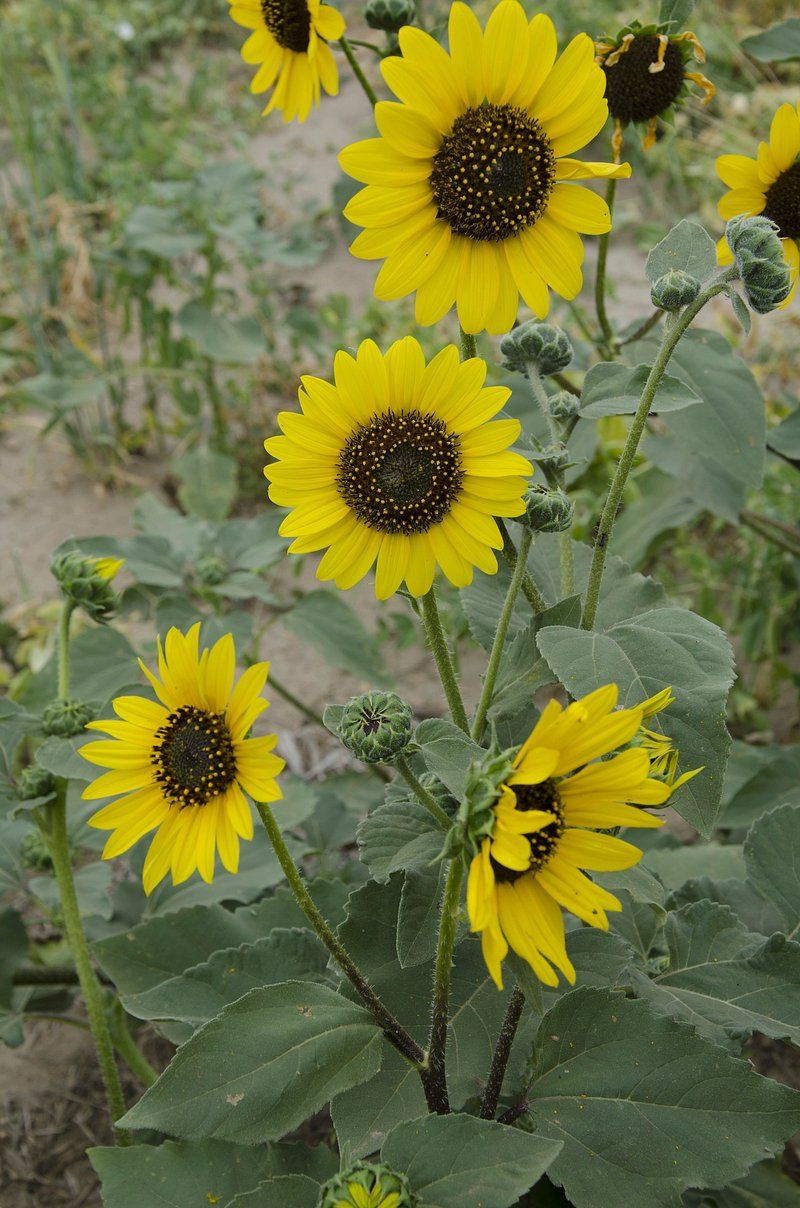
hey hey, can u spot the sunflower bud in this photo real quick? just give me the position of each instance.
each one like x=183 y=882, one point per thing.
x=390 y=15
x=211 y=570
x=547 y=511
x=66 y=718
x=483 y=781
x=367 y=1183
x=86 y=583
x=759 y=256
x=542 y=345
x=564 y=406
x=35 y=782
x=33 y=853
x=376 y=726
x=674 y=290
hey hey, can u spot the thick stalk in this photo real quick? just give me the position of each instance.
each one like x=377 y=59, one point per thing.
x=369 y=91
x=501 y=633
x=129 y=1051
x=393 y=1029
x=600 y=277
x=444 y=661
x=672 y=335
x=437 y=1045
x=425 y=798
x=55 y=834
x=502 y=1051
x=529 y=589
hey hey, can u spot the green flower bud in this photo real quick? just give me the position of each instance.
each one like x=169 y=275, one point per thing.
x=482 y=785
x=34 y=854
x=674 y=290
x=758 y=253
x=35 y=782
x=398 y=790
x=547 y=511
x=86 y=583
x=390 y=15
x=564 y=405
x=539 y=344
x=367 y=1185
x=376 y=726
x=65 y=718
x=211 y=570
x=551 y=458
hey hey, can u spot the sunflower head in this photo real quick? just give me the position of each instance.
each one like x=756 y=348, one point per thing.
x=180 y=765
x=577 y=775
x=398 y=464
x=470 y=195
x=367 y=1185
x=648 y=75
x=289 y=42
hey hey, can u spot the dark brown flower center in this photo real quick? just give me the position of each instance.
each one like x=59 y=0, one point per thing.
x=783 y=203
x=289 y=23
x=634 y=92
x=493 y=174
x=543 y=842
x=401 y=472
x=193 y=756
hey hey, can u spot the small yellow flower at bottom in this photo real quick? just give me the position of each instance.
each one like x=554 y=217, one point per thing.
x=560 y=792
x=184 y=762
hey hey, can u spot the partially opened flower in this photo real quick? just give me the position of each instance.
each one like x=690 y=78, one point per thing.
x=470 y=196
x=183 y=763
x=560 y=794
x=649 y=74
x=400 y=465
x=768 y=185
x=290 y=42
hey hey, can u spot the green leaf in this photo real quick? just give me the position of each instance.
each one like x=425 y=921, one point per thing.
x=456 y=1160
x=15 y=723
x=765 y=1186
x=757 y=914
x=201 y=992
x=184 y=534
x=774 y=780
x=667 y=646
x=687 y=247
x=160 y=231
x=327 y=623
x=644 y=1106
x=740 y=309
x=179 y=1173
x=522 y=669
x=614 y=389
x=785 y=438
x=398 y=835
x=772 y=857
x=777 y=44
x=677 y=12
x=418 y=916
x=92 y=885
x=723 y=979
x=447 y=751
x=208 y=482
x=676 y=865
x=231 y=341
x=716 y=450
x=288 y=1190
x=61 y=757
x=262 y=1066
x=642 y=527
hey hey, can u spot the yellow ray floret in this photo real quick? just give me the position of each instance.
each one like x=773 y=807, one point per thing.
x=575 y=775
x=400 y=465
x=466 y=197
x=184 y=762
x=289 y=41
x=768 y=184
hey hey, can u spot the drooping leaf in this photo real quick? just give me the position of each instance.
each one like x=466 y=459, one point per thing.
x=641 y=529
x=774 y=780
x=455 y=1160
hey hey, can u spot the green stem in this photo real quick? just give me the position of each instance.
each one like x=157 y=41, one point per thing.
x=437 y=1045
x=129 y=1051
x=777 y=531
x=529 y=589
x=468 y=346
x=641 y=331
x=425 y=798
x=393 y=1029
x=672 y=335
x=501 y=633
x=369 y=91
x=502 y=1051
x=444 y=661
x=55 y=835
x=565 y=551
x=63 y=649
x=600 y=278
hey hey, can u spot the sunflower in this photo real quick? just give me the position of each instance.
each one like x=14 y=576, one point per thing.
x=290 y=42
x=768 y=185
x=467 y=195
x=182 y=761
x=648 y=77
x=397 y=463
x=560 y=792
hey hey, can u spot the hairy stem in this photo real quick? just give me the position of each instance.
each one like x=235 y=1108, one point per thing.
x=468 y=346
x=444 y=661
x=493 y=666
x=565 y=552
x=502 y=1051
x=130 y=1053
x=425 y=798
x=437 y=1044
x=600 y=277
x=369 y=91
x=63 y=649
x=669 y=342
x=529 y=589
